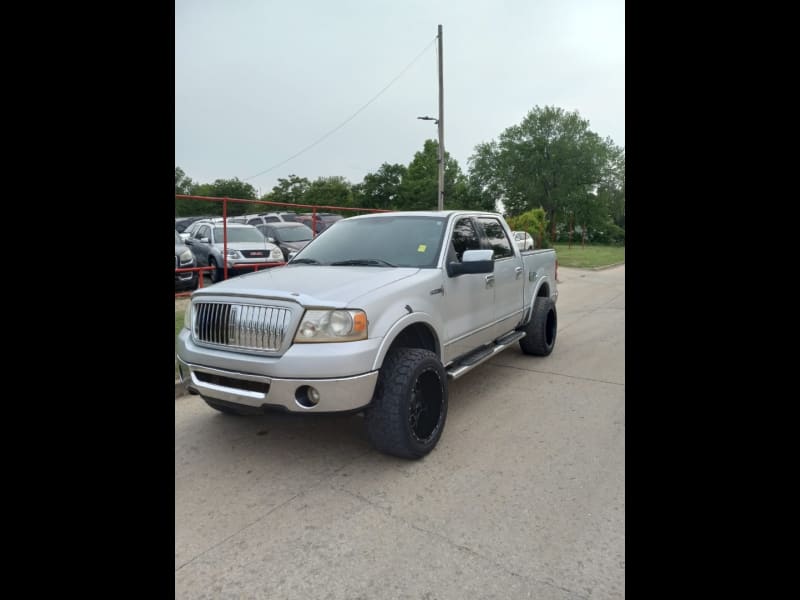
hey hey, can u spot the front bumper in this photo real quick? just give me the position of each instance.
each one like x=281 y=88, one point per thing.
x=242 y=264
x=335 y=395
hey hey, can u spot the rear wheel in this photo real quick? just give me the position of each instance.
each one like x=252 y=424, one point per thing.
x=541 y=330
x=409 y=409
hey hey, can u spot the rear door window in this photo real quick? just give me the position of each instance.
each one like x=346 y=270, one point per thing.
x=496 y=237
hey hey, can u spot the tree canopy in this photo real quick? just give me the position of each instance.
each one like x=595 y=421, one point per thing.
x=551 y=161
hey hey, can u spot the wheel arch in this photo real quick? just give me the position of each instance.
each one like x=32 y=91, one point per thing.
x=411 y=331
x=542 y=289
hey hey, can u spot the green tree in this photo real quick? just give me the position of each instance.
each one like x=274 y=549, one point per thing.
x=382 y=188
x=291 y=189
x=552 y=159
x=183 y=184
x=420 y=185
x=329 y=191
x=222 y=188
x=534 y=222
x=611 y=191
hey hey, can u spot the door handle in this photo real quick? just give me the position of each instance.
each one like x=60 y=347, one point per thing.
x=489 y=281
x=518 y=271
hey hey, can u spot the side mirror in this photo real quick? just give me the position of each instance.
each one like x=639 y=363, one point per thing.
x=472 y=261
x=205 y=240
x=271 y=240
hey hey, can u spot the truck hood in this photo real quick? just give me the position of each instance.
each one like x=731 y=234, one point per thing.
x=310 y=285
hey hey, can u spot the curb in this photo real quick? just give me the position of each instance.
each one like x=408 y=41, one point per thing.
x=608 y=266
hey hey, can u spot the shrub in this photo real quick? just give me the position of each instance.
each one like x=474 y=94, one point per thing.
x=534 y=222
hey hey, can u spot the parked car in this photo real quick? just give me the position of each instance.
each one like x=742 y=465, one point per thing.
x=183 y=223
x=192 y=229
x=523 y=240
x=323 y=220
x=184 y=259
x=246 y=246
x=289 y=237
x=272 y=217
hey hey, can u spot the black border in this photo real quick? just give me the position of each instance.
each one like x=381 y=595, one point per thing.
x=102 y=496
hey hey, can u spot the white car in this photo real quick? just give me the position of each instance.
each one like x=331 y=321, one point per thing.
x=247 y=246
x=523 y=239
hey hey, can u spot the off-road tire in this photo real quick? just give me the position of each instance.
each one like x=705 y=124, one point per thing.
x=409 y=407
x=541 y=330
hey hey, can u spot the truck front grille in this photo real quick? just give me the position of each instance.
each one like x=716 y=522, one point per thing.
x=246 y=326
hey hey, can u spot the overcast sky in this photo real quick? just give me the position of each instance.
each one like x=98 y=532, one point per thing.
x=257 y=81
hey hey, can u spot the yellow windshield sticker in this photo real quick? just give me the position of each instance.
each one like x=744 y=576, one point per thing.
x=421 y=248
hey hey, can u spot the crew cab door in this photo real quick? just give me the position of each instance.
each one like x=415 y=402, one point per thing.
x=508 y=275
x=469 y=298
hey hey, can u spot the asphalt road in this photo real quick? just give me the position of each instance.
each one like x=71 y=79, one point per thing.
x=524 y=497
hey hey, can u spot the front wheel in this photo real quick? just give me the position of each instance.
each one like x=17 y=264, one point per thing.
x=409 y=408
x=217 y=274
x=540 y=338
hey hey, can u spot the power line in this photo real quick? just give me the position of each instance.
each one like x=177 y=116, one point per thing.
x=350 y=118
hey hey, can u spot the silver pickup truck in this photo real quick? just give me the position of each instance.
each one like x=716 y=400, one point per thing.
x=374 y=315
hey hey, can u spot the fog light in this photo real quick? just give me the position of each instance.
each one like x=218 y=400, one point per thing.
x=307 y=396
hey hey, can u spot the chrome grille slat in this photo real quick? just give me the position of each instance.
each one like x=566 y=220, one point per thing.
x=246 y=326
x=265 y=340
x=249 y=326
x=214 y=319
x=269 y=331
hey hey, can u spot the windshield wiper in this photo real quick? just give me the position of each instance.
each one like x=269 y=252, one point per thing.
x=307 y=261
x=364 y=262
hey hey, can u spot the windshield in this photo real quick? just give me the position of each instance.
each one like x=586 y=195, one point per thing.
x=398 y=241
x=294 y=234
x=239 y=234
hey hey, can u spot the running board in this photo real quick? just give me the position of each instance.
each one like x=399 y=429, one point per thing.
x=481 y=355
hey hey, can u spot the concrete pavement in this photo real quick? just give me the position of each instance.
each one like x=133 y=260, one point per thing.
x=524 y=497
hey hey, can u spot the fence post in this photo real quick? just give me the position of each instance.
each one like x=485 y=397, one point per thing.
x=225 y=238
x=314 y=222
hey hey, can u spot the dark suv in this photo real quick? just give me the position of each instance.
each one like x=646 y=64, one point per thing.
x=323 y=220
x=289 y=237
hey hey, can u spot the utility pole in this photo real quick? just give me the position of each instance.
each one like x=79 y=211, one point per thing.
x=441 y=125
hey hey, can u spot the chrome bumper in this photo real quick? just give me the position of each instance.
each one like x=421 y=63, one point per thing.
x=335 y=395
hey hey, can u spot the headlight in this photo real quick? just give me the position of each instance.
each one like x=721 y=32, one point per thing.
x=332 y=326
x=277 y=254
x=186 y=257
x=187 y=317
x=233 y=253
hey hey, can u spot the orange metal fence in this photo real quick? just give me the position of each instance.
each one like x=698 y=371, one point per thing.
x=312 y=207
